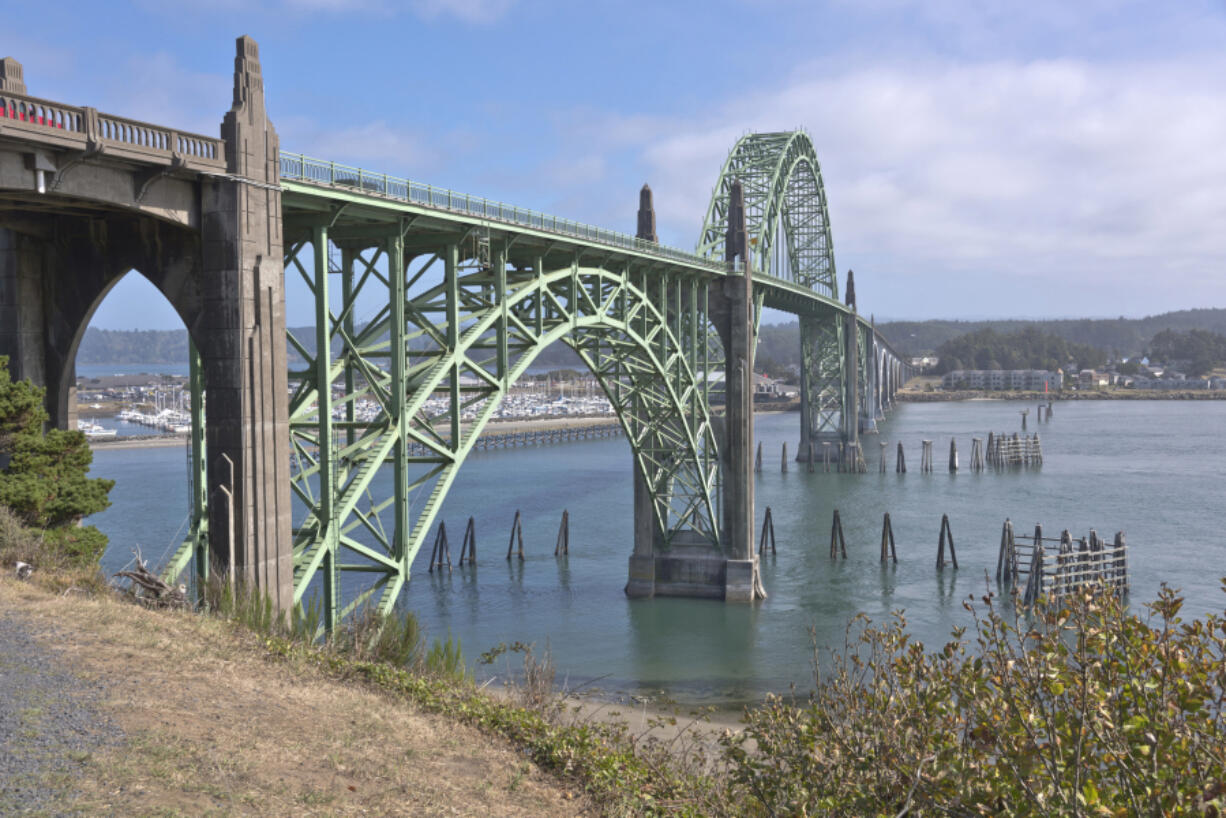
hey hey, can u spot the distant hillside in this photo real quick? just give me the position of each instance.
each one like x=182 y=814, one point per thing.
x=778 y=347
x=149 y=346
x=108 y=346
x=1121 y=337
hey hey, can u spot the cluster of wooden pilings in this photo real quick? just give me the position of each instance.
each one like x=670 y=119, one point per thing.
x=1001 y=452
x=845 y=457
x=1026 y=563
x=536 y=437
x=440 y=555
x=1004 y=451
x=889 y=548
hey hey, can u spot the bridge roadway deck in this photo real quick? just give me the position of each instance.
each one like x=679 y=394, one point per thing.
x=367 y=203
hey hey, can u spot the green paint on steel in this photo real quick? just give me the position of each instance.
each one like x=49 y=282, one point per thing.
x=470 y=292
x=784 y=199
x=430 y=369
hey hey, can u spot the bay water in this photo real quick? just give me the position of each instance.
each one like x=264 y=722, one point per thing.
x=1153 y=469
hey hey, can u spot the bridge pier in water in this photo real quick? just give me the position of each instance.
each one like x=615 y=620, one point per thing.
x=688 y=564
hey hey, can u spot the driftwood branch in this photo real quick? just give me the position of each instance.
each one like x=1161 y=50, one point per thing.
x=149 y=589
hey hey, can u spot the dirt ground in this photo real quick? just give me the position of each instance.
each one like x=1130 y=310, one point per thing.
x=214 y=727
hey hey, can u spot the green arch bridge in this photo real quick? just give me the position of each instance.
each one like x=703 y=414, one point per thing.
x=469 y=292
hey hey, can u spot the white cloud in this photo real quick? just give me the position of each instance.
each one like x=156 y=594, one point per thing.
x=1046 y=178
x=478 y=12
x=375 y=145
x=466 y=11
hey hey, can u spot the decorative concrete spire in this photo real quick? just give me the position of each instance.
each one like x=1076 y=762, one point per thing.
x=251 y=140
x=12 y=79
x=851 y=289
x=647 y=216
x=734 y=239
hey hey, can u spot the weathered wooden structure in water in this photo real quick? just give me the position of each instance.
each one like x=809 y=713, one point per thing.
x=1006 y=450
x=1026 y=563
x=535 y=437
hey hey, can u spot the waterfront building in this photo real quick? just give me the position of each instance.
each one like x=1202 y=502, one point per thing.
x=999 y=380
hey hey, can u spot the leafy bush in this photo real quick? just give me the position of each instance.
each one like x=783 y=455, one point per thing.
x=1084 y=710
x=44 y=480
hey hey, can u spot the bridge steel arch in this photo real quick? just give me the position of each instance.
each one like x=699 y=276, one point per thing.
x=412 y=387
x=789 y=239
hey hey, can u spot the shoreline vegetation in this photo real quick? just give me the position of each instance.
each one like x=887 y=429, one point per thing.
x=573 y=421
x=937 y=396
x=1082 y=709
x=497 y=427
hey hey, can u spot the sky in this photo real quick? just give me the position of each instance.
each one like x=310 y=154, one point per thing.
x=980 y=159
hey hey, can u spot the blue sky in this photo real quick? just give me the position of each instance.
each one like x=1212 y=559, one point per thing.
x=980 y=158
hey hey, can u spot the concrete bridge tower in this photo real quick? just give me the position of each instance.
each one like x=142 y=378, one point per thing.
x=99 y=196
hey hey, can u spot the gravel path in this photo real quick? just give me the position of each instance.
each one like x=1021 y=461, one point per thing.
x=49 y=719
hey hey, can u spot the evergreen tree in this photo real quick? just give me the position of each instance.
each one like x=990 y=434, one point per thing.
x=43 y=474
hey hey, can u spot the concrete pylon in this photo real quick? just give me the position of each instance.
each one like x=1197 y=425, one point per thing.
x=647 y=216
x=240 y=333
x=851 y=369
x=642 y=579
x=733 y=315
x=12 y=79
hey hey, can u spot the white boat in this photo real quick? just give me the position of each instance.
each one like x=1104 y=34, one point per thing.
x=93 y=431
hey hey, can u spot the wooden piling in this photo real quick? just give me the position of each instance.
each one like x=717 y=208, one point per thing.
x=1004 y=559
x=757 y=463
x=441 y=550
x=1049 y=403
x=563 y=544
x=837 y=544
x=783 y=458
x=768 y=528
x=810 y=457
x=1024 y=413
x=991 y=453
x=881 y=468
x=469 y=545
x=926 y=457
x=946 y=531
x=887 y=540
x=953 y=455
x=517 y=531
x=900 y=464
x=976 y=454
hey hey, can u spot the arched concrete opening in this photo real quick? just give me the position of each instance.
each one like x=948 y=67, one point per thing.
x=149 y=458
x=54 y=272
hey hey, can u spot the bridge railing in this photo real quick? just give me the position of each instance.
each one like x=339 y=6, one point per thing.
x=82 y=128
x=34 y=111
x=318 y=171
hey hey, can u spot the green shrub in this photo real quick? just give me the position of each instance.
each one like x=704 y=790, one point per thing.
x=1084 y=710
x=44 y=480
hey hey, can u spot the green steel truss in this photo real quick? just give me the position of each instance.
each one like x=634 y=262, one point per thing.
x=386 y=406
x=409 y=390
x=788 y=226
x=785 y=210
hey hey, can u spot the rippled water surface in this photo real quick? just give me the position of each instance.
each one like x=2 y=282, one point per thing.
x=1153 y=469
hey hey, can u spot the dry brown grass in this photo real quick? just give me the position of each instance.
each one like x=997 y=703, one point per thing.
x=214 y=727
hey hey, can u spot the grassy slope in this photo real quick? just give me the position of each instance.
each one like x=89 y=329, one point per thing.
x=214 y=727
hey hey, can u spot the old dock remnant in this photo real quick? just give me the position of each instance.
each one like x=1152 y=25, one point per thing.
x=1073 y=564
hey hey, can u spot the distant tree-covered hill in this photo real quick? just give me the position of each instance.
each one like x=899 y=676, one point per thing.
x=109 y=346
x=1118 y=337
x=778 y=345
x=149 y=346
x=1029 y=348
